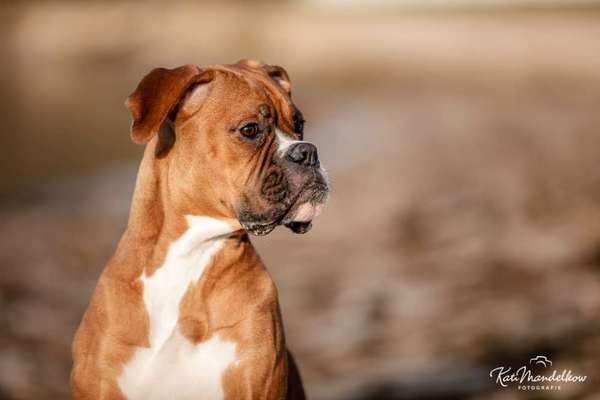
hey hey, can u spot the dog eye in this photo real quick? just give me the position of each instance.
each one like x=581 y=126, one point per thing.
x=298 y=121
x=249 y=130
x=299 y=126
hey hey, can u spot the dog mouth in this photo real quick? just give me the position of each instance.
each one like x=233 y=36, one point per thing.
x=296 y=214
x=309 y=205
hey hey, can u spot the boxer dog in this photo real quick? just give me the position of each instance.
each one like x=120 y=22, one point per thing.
x=185 y=309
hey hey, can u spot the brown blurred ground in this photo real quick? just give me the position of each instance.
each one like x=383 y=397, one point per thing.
x=463 y=231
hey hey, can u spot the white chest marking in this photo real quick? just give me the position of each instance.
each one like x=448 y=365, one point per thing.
x=173 y=367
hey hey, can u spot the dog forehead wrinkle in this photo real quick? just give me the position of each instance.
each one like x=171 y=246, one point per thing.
x=264 y=110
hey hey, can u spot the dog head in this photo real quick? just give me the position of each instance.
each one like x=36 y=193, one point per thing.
x=229 y=142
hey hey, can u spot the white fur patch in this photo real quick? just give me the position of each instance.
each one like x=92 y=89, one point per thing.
x=284 y=142
x=173 y=367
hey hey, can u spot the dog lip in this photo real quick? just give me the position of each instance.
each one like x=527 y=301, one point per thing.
x=261 y=229
x=317 y=196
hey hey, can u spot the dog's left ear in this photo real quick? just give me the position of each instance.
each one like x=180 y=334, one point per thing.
x=156 y=97
x=279 y=75
x=275 y=72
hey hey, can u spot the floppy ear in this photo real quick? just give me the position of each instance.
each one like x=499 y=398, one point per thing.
x=275 y=72
x=279 y=75
x=155 y=97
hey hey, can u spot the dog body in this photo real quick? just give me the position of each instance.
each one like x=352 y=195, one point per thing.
x=185 y=309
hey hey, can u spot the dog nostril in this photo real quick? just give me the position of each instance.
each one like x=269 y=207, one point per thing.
x=304 y=154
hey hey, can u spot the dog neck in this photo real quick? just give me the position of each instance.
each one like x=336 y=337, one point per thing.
x=154 y=224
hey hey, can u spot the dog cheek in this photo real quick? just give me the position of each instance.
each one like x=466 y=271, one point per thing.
x=274 y=187
x=252 y=207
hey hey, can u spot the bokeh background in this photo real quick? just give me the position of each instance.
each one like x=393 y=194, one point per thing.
x=463 y=143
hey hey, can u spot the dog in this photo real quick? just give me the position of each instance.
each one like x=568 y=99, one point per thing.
x=185 y=309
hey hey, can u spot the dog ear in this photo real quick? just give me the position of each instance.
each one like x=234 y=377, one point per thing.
x=275 y=72
x=196 y=94
x=280 y=75
x=157 y=96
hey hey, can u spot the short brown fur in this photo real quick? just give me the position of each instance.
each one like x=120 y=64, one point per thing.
x=235 y=296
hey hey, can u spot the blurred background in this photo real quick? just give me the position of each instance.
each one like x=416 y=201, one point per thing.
x=462 y=138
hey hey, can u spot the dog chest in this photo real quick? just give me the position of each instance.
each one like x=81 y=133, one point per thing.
x=172 y=366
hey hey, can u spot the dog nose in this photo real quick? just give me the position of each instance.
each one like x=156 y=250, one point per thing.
x=304 y=154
